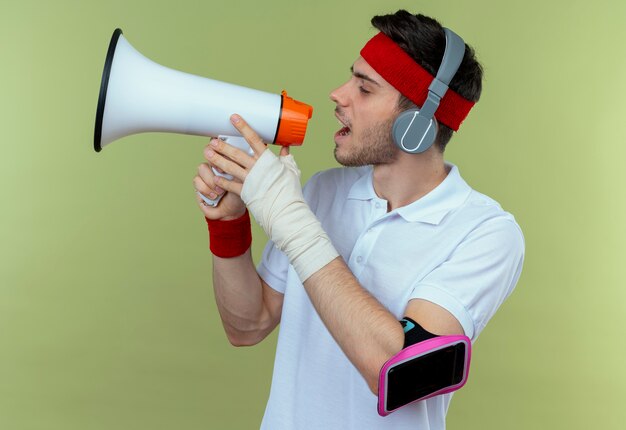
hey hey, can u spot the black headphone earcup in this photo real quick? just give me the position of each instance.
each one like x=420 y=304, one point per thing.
x=413 y=133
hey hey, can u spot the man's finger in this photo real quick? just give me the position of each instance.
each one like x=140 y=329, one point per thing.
x=226 y=165
x=235 y=154
x=253 y=139
x=206 y=174
x=201 y=186
x=227 y=185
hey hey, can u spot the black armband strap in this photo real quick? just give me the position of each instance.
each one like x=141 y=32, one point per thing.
x=413 y=332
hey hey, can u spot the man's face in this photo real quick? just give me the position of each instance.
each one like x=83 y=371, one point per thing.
x=367 y=106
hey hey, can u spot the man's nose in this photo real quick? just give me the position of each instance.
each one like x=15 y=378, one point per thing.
x=338 y=95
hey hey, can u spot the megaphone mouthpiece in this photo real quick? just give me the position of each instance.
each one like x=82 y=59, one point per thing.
x=294 y=117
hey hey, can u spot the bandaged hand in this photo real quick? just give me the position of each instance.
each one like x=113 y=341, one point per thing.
x=273 y=195
x=270 y=187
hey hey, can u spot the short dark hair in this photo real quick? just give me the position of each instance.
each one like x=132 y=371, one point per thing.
x=424 y=40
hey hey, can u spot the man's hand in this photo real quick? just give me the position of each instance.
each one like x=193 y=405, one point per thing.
x=233 y=161
x=270 y=187
x=230 y=206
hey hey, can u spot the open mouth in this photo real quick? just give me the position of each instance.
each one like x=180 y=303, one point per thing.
x=345 y=130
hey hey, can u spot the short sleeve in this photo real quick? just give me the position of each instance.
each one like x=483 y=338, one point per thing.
x=478 y=276
x=273 y=267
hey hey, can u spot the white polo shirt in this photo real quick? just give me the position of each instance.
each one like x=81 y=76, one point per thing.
x=454 y=247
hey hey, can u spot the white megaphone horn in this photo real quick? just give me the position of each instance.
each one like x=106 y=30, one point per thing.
x=138 y=95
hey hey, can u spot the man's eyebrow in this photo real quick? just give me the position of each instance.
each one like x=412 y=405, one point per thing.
x=363 y=76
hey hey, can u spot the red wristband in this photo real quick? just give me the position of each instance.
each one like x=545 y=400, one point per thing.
x=230 y=238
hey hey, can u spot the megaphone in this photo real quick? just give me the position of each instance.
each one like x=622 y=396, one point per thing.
x=138 y=95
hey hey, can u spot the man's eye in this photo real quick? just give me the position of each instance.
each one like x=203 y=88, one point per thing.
x=363 y=90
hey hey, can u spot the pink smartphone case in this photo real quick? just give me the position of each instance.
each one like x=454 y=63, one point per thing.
x=417 y=350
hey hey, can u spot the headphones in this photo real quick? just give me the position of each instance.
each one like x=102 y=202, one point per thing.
x=415 y=130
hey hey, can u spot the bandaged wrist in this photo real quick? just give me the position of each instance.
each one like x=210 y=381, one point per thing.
x=232 y=238
x=273 y=195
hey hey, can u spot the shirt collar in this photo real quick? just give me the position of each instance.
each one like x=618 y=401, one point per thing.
x=363 y=188
x=431 y=208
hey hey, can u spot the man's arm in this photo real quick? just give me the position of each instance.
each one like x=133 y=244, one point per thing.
x=248 y=307
x=365 y=330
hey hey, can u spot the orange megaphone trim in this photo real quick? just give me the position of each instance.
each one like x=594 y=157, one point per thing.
x=294 y=118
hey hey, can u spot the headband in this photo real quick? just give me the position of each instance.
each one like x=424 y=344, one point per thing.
x=412 y=80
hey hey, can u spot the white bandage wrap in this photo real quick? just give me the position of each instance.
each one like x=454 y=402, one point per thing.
x=273 y=195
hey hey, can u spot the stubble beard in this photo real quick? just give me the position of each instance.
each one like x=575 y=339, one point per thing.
x=375 y=147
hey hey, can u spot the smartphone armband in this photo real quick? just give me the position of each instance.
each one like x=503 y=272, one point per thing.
x=434 y=366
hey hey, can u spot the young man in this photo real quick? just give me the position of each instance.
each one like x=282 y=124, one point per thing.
x=390 y=235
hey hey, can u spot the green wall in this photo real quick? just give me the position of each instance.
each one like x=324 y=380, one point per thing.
x=107 y=318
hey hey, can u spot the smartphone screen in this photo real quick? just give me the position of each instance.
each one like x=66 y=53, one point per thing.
x=424 y=375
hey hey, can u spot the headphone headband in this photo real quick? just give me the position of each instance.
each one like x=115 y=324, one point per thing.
x=452 y=57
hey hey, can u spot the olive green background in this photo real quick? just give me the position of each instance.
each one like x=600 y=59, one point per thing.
x=107 y=318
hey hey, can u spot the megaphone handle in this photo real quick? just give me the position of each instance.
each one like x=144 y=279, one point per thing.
x=238 y=142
